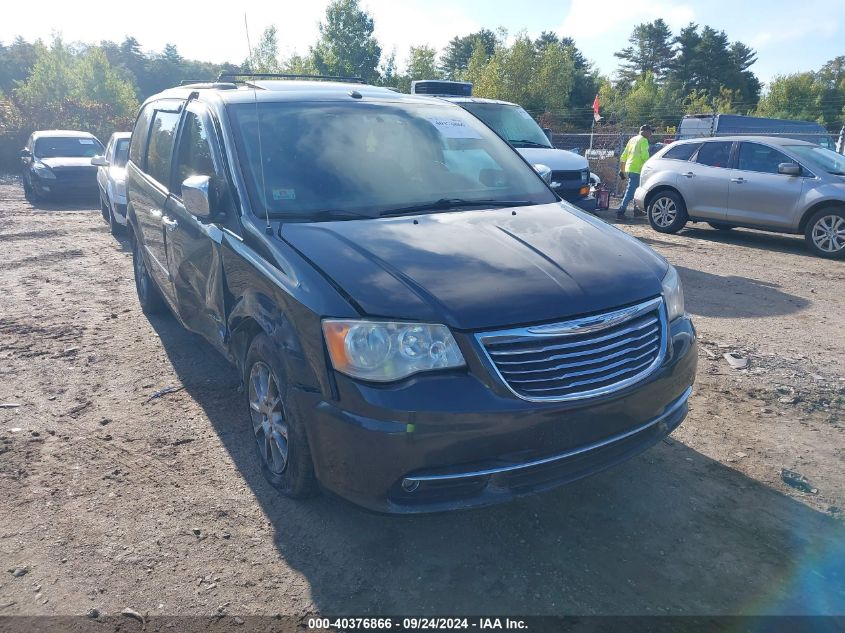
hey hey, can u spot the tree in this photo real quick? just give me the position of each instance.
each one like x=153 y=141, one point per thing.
x=650 y=51
x=793 y=96
x=455 y=59
x=264 y=56
x=346 y=46
x=421 y=64
x=16 y=62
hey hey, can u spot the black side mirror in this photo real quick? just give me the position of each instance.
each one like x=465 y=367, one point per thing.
x=25 y=153
x=789 y=169
x=548 y=132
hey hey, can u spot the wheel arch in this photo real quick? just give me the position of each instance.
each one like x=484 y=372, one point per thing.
x=805 y=218
x=651 y=195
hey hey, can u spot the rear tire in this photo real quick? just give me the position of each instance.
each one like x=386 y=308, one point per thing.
x=667 y=212
x=721 y=226
x=825 y=233
x=281 y=444
x=148 y=295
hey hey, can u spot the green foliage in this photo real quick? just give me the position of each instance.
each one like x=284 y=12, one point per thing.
x=650 y=51
x=346 y=46
x=264 y=56
x=459 y=50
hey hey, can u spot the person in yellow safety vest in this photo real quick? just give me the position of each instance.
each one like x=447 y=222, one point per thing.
x=631 y=163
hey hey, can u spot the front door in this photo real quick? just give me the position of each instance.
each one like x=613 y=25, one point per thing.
x=193 y=245
x=759 y=195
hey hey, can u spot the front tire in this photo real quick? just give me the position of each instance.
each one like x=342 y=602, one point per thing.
x=667 y=212
x=148 y=295
x=825 y=233
x=278 y=430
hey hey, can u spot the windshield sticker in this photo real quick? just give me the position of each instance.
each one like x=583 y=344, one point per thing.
x=284 y=194
x=453 y=128
x=86 y=141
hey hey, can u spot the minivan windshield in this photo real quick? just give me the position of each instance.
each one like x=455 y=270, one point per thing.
x=328 y=159
x=510 y=122
x=820 y=158
x=67 y=147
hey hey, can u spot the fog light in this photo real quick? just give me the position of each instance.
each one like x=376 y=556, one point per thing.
x=409 y=485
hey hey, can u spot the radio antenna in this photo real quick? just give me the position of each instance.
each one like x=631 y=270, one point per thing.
x=267 y=227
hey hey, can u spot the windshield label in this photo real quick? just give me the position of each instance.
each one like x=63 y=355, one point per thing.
x=86 y=141
x=453 y=128
x=284 y=194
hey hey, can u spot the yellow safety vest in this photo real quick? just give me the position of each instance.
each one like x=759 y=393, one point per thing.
x=634 y=155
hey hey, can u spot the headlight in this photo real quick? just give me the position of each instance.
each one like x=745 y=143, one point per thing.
x=384 y=351
x=42 y=171
x=673 y=293
x=585 y=176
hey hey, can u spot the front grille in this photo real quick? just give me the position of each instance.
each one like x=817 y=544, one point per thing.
x=566 y=176
x=80 y=175
x=581 y=358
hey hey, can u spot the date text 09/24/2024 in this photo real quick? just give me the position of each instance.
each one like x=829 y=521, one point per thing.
x=417 y=624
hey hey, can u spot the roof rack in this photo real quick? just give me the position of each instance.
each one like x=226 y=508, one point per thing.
x=185 y=82
x=243 y=77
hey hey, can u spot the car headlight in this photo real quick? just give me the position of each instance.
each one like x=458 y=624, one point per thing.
x=384 y=351
x=42 y=171
x=585 y=176
x=673 y=293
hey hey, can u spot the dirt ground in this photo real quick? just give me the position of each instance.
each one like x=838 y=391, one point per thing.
x=115 y=498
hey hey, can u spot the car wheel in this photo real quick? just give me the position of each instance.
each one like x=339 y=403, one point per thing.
x=667 y=212
x=278 y=432
x=148 y=295
x=115 y=228
x=104 y=210
x=825 y=233
x=721 y=226
x=27 y=189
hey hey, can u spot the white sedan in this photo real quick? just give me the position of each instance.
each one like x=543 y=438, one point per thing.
x=111 y=172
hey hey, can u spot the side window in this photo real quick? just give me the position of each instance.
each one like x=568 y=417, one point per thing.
x=716 y=154
x=682 y=152
x=139 y=136
x=756 y=157
x=159 y=151
x=194 y=155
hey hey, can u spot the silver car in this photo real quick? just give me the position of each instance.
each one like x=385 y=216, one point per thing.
x=111 y=174
x=773 y=184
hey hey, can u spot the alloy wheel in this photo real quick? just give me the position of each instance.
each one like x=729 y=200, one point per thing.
x=664 y=211
x=829 y=233
x=268 y=420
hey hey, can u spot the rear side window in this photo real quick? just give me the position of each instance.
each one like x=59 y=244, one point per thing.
x=682 y=152
x=139 y=136
x=160 y=149
x=761 y=158
x=714 y=154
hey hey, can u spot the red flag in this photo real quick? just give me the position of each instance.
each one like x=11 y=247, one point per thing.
x=596 y=114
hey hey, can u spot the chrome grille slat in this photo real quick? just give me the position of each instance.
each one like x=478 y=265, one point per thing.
x=572 y=344
x=584 y=372
x=597 y=350
x=647 y=345
x=580 y=383
x=581 y=358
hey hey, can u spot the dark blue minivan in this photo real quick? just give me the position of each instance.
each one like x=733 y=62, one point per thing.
x=420 y=322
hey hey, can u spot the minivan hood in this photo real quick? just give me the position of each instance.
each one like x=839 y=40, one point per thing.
x=481 y=269
x=554 y=159
x=67 y=161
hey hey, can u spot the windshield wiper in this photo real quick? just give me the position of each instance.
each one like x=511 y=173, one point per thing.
x=445 y=204
x=323 y=214
x=837 y=173
x=529 y=143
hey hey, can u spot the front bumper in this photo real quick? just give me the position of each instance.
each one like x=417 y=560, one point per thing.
x=65 y=187
x=639 y=198
x=458 y=440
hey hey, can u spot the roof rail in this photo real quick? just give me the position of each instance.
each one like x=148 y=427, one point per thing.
x=185 y=82
x=243 y=77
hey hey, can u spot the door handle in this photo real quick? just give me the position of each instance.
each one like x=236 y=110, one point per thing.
x=689 y=174
x=738 y=181
x=170 y=225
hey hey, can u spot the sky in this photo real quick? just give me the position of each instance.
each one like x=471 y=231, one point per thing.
x=788 y=36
